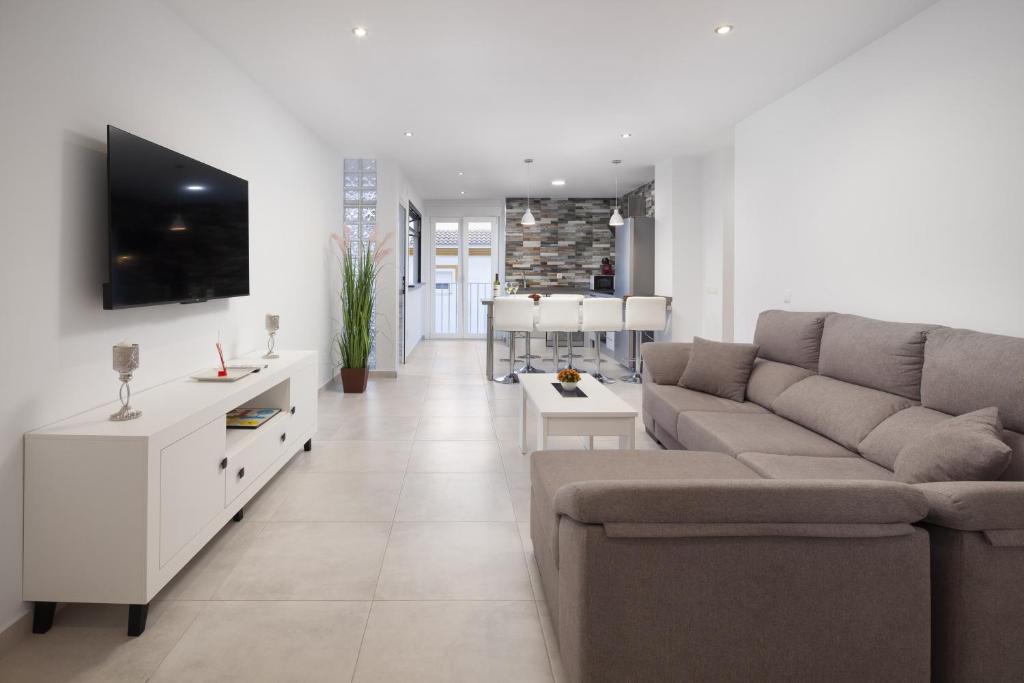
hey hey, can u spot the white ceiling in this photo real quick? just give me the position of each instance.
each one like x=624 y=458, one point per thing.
x=485 y=83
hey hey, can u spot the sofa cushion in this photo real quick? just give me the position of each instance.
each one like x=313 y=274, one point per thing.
x=719 y=368
x=664 y=361
x=790 y=337
x=845 y=413
x=769 y=379
x=551 y=470
x=886 y=440
x=873 y=353
x=736 y=433
x=966 y=448
x=775 y=466
x=1015 y=470
x=975 y=505
x=664 y=403
x=965 y=371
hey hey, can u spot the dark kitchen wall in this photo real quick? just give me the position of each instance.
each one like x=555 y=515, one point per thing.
x=566 y=245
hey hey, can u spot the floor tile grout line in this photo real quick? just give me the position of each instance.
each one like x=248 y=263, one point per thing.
x=177 y=642
x=547 y=647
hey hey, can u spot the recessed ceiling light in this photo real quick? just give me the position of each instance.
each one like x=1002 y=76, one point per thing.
x=558 y=183
x=626 y=135
x=462 y=192
x=407 y=133
x=359 y=31
x=723 y=29
x=460 y=173
x=195 y=188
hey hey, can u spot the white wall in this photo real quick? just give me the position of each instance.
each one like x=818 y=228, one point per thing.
x=393 y=191
x=716 y=218
x=66 y=70
x=678 y=243
x=892 y=185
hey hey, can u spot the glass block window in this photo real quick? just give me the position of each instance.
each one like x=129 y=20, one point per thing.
x=360 y=194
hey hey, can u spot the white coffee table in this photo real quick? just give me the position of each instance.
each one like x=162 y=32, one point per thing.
x=600 y=413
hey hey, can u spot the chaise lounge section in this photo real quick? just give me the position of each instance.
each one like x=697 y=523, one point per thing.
x=830 y=403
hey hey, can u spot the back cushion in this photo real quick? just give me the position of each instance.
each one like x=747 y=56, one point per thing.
x=886 y=440
x=790 y=337
x=845 y=413
x=873 y=353
x=1015 y=440
x=769 y=379
x=966 y=371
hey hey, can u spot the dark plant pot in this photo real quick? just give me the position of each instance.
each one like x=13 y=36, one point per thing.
x=353 y=380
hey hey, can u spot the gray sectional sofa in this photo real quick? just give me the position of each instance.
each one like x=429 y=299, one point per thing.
x=779 y=545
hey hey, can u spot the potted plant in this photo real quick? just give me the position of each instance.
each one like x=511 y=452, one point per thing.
x=568 y=377
x=361 y=261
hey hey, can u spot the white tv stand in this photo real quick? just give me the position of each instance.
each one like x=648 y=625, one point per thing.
x=113 y=510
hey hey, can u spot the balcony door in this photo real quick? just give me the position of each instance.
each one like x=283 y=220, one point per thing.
x=464 y=259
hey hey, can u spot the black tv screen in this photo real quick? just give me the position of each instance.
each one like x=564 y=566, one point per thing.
x=179 y=229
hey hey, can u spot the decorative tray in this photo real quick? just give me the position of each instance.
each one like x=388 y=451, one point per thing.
x=575 y=393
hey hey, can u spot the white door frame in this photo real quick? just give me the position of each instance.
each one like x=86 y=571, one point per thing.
x=469 y=292
x=462 y=271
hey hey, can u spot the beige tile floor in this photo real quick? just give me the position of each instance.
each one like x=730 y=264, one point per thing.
x=398 y=549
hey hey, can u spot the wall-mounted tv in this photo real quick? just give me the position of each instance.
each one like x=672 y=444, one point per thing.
x=178 y=229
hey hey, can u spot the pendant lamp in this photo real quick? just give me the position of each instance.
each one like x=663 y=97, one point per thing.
x=528 y=218
x=616 y=219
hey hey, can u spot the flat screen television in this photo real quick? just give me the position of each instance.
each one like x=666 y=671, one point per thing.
x=178 y=229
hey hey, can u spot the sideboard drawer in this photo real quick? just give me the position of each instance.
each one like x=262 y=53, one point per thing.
x=248 y=463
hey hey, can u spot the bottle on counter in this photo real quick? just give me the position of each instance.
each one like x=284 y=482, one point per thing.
x=497 y=286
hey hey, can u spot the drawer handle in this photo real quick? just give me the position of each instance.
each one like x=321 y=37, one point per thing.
x=283 y=437
x=241 y=472
x=293 y=410
x=223 y=463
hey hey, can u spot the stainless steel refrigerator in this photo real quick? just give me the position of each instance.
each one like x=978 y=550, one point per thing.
x=634 y=273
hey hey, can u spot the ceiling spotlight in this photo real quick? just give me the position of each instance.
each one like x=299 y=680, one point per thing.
x=462 y=192
x=407 y=133
x=626 y=135
x=195 y=188
x=723 y=29
x=459 y=173
x=359 y=31
x=558 y=183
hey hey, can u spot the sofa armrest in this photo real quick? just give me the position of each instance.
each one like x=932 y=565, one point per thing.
x=975 y=505
x=740 y=501
x=664 y=362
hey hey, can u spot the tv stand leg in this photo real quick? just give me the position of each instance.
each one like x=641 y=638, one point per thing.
x=137 y=619
x=308 y=446
x=42 y=616
x=239 y=515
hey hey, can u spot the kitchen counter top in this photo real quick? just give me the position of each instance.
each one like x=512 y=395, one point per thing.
x=544 y=291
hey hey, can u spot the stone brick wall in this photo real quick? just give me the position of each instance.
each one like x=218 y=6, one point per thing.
x=566 y=245
x=639 y=202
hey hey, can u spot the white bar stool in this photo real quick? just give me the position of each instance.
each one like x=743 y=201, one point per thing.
x=601 y=315
x=512 y=315
x=570 y=355
x=529 y=355
x=559 y=314
x=528 y=366
x=643 y=313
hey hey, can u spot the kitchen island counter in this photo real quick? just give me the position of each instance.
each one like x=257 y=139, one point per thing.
x=543 y=291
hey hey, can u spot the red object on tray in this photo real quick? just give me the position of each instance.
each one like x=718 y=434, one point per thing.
x=223 y=372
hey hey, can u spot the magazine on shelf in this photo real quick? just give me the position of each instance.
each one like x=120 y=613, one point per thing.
x=250 y=418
